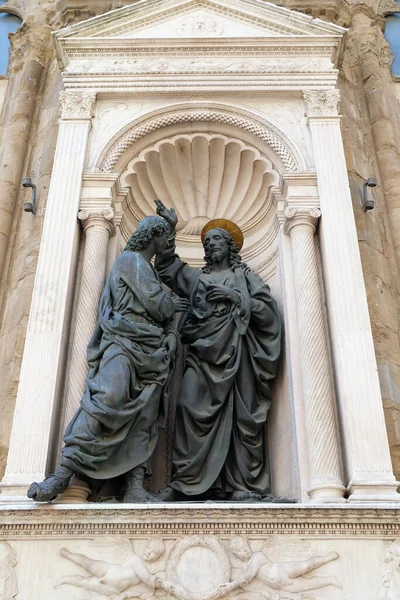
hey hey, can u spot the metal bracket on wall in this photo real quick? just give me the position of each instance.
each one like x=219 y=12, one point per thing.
x=368 y=201
x=30 y=206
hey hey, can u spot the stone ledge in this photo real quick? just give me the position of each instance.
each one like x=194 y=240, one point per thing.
x=194 y=519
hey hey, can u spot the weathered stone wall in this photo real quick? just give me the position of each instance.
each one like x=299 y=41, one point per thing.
x=24 y=241
x=371 y=130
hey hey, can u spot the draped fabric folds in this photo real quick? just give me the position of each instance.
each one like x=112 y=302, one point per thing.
x=116 y=426
x=220 y=426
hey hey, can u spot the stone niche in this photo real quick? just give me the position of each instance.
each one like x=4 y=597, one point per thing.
x=221 y=108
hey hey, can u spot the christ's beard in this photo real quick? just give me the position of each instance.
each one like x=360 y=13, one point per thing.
x=217 y=255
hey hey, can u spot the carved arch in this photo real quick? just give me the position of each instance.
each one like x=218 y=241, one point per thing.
x=291 y=158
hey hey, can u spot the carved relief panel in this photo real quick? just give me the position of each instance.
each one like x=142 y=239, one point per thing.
x=202 y=568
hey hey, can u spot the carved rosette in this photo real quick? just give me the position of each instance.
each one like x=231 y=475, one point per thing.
x=77 y=105
x=322 y=103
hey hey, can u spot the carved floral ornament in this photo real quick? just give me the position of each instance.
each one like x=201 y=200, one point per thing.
x=321 y=103
x=77 y=105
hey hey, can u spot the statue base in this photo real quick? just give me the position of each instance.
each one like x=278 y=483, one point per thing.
x=201 y=551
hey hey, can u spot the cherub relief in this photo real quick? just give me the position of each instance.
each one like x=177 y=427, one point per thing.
x=128 y=579
x=390 y=578
x=8 y=580
x=275 y=581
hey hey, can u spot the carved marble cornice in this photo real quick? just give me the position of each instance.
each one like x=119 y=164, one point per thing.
x=77 y=105
x=321 y=103
x=56 y=521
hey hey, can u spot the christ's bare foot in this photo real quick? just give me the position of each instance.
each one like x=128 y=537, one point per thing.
x=245 y=496
x=170 y=495
x=138 y=495
x=278 y=500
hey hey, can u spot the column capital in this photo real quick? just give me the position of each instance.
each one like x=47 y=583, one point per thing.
x=101 y=219
x=301 y=217
x=77 y=105
x=321 y=103
x=30 y=43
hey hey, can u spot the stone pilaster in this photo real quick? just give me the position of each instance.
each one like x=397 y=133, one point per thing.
x=367 y=457
x=43 y=363
x=323 y=448
x=98 y=227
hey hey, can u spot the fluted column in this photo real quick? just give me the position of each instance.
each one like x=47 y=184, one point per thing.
x=365 y=442
x=322 y=439
x=42 y=370
x=98 y=227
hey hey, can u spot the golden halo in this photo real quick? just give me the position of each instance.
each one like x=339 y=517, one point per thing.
x=234 y=230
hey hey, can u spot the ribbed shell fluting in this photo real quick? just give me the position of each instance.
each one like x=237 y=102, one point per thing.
x=201 y=176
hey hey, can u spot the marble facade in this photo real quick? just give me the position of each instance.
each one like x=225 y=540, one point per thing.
x=218 y=107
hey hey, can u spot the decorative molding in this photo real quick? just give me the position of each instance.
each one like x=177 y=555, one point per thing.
x=273 y=19
x=322 y=103
x=54 y=521
x=160 y=66
x=77 y=105
x=211 y=113
x=203 y=26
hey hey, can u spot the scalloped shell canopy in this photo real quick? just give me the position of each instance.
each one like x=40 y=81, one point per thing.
x=203 y=177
